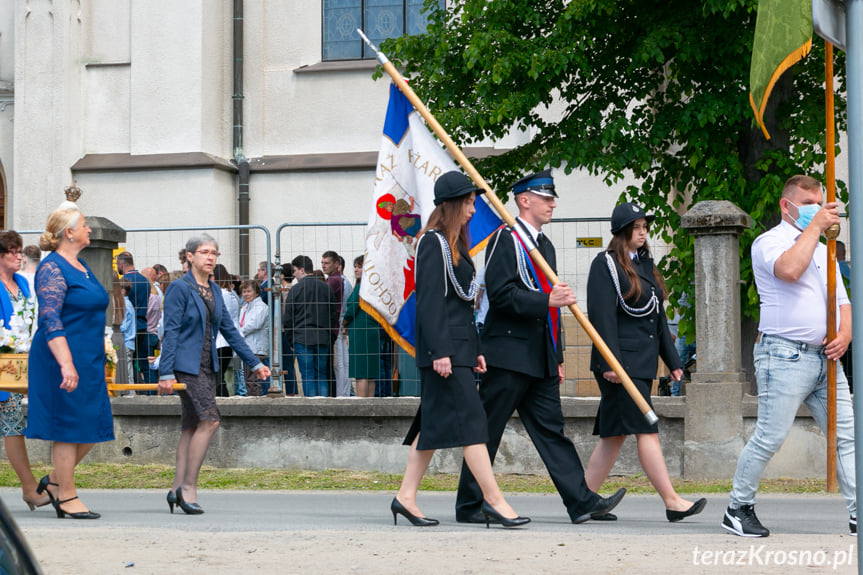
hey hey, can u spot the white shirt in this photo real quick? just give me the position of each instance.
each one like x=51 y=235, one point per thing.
x=793 y=310
x=232 y=305
x=534 y=233
x=482 y=310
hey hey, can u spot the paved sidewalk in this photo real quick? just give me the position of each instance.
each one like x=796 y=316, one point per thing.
x=338 y=532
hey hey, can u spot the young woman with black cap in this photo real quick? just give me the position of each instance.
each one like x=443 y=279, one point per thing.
x=624 y=303
x=447 y=354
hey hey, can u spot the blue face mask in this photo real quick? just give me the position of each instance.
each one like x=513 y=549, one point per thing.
x=804 y=214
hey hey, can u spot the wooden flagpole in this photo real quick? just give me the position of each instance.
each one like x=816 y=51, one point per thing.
x=831 y=233
x=492 y=198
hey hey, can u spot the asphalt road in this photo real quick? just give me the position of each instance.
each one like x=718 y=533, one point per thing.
x=310 y=532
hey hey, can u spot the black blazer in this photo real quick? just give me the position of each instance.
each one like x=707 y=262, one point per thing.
x=310 y=312
x=636 y=342
x=445 y=324
x=515 y=333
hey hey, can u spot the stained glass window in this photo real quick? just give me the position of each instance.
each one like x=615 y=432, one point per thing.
x=379 y=19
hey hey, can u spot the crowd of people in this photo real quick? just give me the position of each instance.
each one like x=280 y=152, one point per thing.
x=185 y=327
x=319 y=319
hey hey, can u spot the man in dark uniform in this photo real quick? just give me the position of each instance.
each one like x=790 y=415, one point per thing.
x=522 y=345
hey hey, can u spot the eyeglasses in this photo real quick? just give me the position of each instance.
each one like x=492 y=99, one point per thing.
x=16 y=253
x=208 y=253
x=645 y=227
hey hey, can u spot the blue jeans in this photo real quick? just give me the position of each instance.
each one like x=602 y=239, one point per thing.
x=312 y=361
x=265 y=383
x=240 y=382
x=789 y=374
x=289 y=377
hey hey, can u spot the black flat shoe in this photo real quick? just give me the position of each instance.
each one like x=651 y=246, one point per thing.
x=695 y=509
x=188 y=508
x=43 y=487
x=398 y=509
x=605 y=517
x=79 y=515
x=601 y=507
x=490 y=513
x=172 y=500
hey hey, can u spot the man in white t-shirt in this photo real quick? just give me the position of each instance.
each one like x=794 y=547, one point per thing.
x=791 y=354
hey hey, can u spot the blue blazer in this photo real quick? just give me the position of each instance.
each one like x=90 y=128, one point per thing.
x=185 y=330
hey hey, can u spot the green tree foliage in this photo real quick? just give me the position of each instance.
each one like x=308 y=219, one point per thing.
x=653 y=89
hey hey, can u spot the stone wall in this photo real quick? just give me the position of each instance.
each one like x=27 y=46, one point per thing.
x=366 y=435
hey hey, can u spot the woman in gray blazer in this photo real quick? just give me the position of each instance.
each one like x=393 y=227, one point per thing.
x=194 y=314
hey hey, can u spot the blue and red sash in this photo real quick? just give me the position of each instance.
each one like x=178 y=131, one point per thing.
x=542 y=281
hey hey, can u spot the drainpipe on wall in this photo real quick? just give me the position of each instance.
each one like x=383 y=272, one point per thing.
x=239 y=157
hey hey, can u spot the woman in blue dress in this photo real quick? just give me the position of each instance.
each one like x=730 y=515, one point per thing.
x=68 y=398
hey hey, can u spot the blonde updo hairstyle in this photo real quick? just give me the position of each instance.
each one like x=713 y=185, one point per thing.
x=58 y=221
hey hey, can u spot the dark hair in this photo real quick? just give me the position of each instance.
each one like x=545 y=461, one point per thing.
x=359 y=261
x=182 y=256
x=10 y=240
x=446 y=218
x=256 y=287
x=160 y=269
x=125 y=258
x=342 y=262
x=840 y=250
x=221 y=276
x=619 y=247
x=331 y=255
x=304 y=263
x=126 y=286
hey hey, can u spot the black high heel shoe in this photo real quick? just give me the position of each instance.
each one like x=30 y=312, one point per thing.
x=43 y=487
x=188 y=508
x=172 y=500
x=79 y=515
x=490 y=513
x=397 y=508
x=696 y=508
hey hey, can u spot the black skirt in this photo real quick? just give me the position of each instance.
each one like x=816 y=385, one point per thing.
x=618 y=414
x=450 y=413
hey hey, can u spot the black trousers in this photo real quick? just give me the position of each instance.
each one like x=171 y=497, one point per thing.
x=538 y=403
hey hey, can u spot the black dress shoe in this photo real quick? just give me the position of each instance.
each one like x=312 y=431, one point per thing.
x=696 y=508
x=491 y=513
x=601 y=507
x=172 y=500
x=477 y=517
x=187 y=507
x=61 y=513
x=398 y=509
